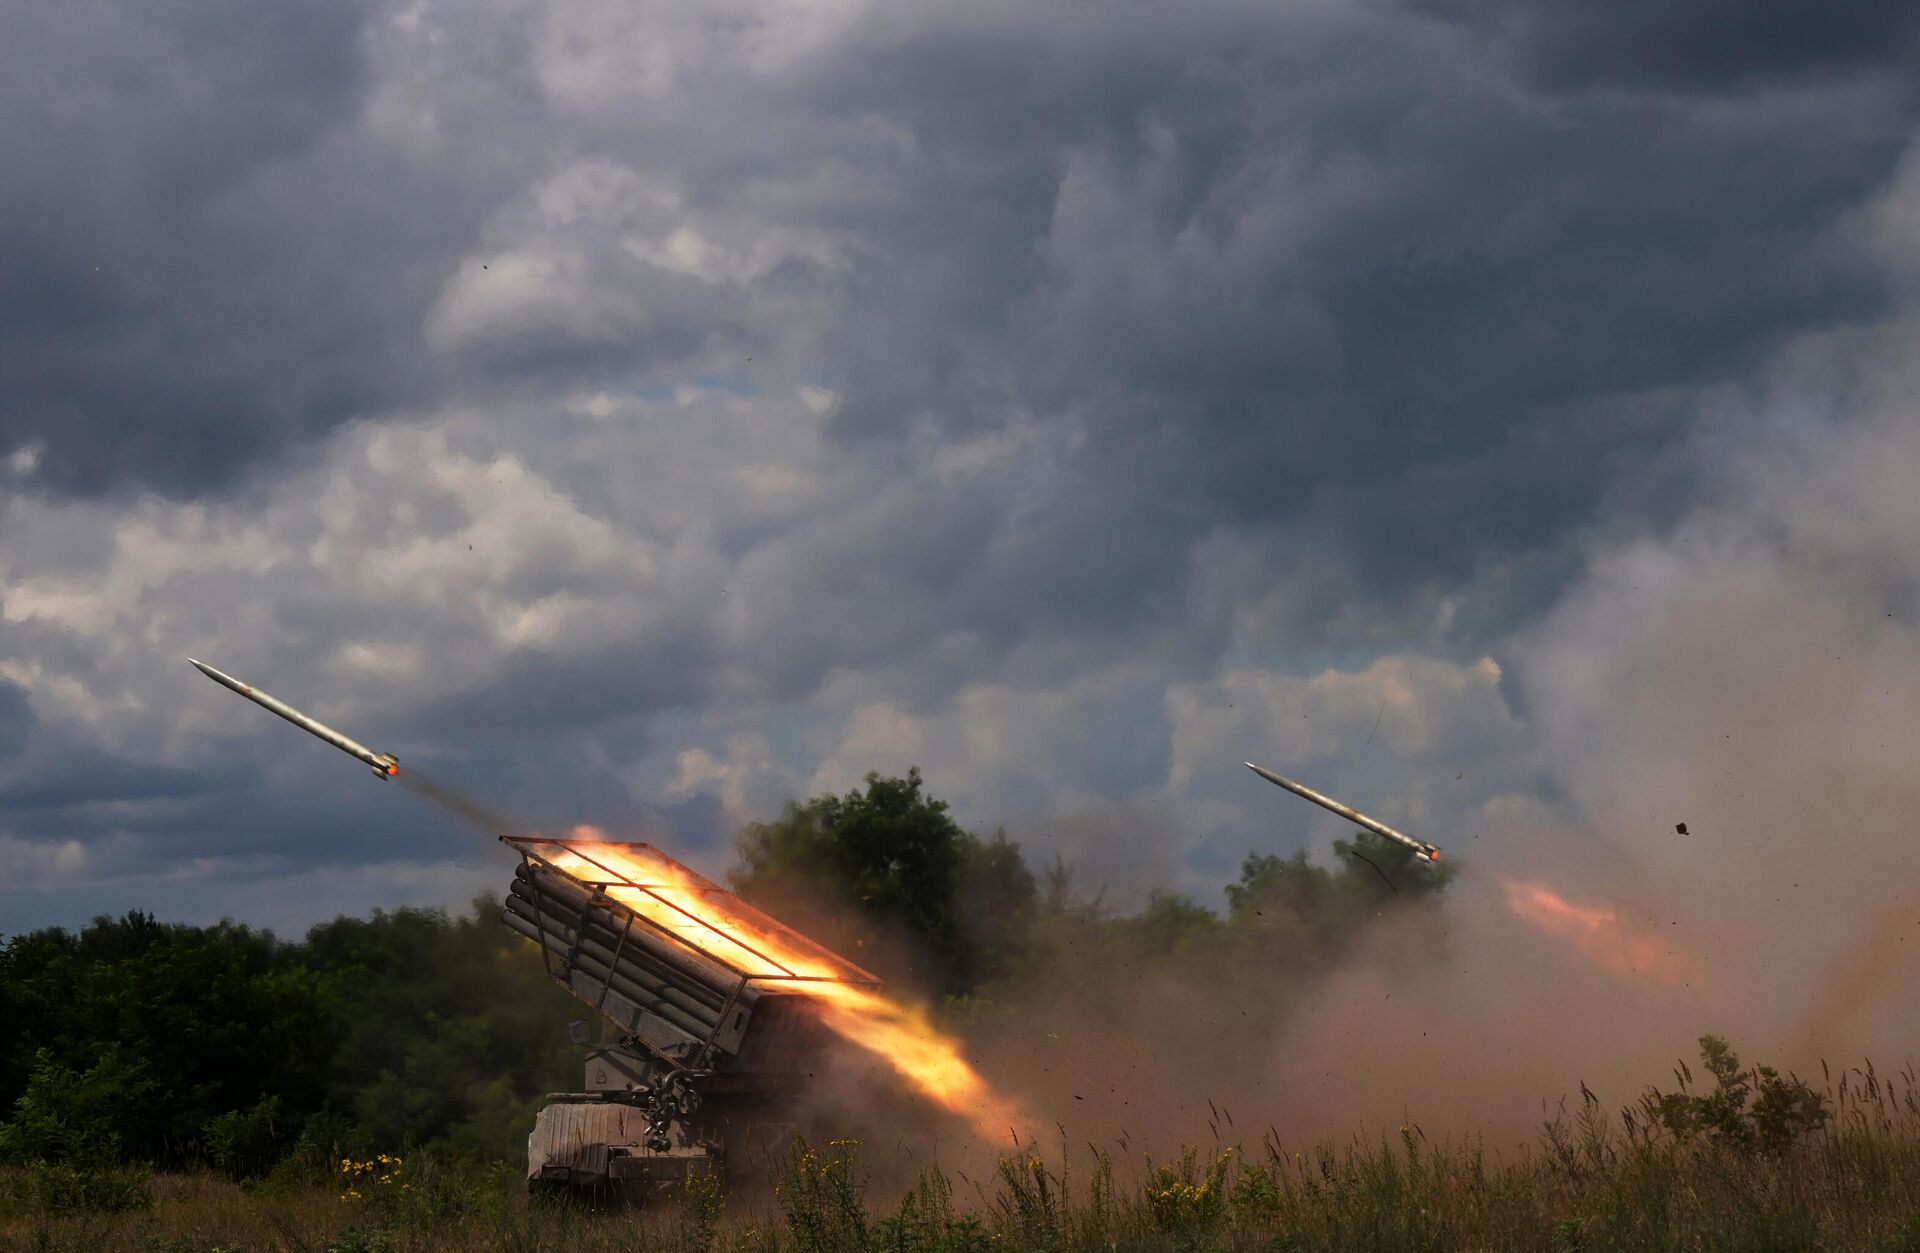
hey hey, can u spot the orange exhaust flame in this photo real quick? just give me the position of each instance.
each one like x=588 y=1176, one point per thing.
x=900 y=1035
x=1618 y=945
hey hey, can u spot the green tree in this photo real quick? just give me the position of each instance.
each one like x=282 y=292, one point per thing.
x=1170 y=926
x=1274 y=888
x=886 y=875
x=215 y=1016
x=1292 y=901
x=221 y=1043
x=1756 y=1110
x=244 y=1144
x=72 y=1116
x=997 y=903
x=445 y=1028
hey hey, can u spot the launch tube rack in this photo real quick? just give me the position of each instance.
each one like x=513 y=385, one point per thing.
x=681 y=967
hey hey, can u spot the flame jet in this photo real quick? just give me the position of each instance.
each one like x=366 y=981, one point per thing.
x=1422 y=849
x=385 y=765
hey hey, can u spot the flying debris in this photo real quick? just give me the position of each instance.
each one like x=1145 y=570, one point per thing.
x=385 y=765
x=1424 y=850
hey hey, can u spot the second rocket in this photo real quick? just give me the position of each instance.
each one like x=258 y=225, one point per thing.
x=1421 y=848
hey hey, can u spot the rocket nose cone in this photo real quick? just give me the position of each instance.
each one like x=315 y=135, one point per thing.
x=221 y=677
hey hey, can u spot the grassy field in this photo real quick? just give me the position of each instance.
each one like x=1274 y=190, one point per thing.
x=1699 y=1172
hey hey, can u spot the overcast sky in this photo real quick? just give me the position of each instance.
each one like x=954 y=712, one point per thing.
x=645 y=413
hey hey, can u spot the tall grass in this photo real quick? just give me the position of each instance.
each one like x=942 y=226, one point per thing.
x=1595 y=1180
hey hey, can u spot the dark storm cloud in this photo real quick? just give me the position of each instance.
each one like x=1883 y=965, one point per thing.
x=85 y=776
x=534 y=691
x=16 y=719
x=1717 y=45
x=1296 y=268
x=786 y=366
x=287 y=807
x=202 y=260
x=1275 y=239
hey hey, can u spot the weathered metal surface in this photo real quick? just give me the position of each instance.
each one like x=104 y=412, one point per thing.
x=717 y=1037
x=385 y=765
x=590 y=1144
x=617 y=1070
x=1421 y=847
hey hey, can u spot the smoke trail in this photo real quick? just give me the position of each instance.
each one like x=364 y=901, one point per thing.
x=489 y=820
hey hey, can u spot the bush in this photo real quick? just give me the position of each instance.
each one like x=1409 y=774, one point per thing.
x=1186 y=1201
x=926 y=1222
x=1256 y=1193
x=1031 y=1206
x=418 y=1192
x=245 y=1145
x=309 y=1163
x=62 y=1129
x=60 y=1187
x=358 y=1240
x=67 y=1115
x=1783 y=1110
x=823 y=1197
x=703 y=1198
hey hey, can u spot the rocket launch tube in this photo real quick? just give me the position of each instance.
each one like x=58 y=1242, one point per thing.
x=386 y=765
x=648 y=956
x=573 y=900
x=1426 y=851
x=596 y=962
x=595 y=966
x=665 y=1034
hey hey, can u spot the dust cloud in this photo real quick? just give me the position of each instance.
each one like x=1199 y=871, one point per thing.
x=1752 y=674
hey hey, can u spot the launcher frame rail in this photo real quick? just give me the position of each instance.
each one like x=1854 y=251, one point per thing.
x=533 y=849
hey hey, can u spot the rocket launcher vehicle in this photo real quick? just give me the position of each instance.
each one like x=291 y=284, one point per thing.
x=711 y=1007
x=712 y=1003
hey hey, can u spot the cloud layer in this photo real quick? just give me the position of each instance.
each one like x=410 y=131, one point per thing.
x=641 y=416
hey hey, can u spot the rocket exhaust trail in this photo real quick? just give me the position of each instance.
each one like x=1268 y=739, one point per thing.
x=384 y=765
x=491 y=821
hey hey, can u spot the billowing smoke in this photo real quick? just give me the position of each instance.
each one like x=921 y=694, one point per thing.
x=1726 y=711
x=1752 y=675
